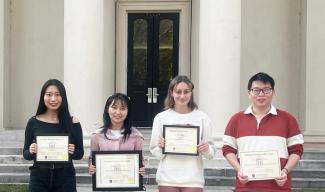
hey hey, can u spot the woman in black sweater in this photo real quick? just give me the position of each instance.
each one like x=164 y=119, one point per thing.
x=53 y=117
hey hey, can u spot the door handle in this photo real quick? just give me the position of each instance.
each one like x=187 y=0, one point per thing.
x=149 y=95
x=154 y=95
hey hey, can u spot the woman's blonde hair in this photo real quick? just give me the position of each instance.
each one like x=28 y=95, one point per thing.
x=170 y=102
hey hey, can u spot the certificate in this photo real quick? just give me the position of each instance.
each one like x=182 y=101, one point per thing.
x=117 y=170
x=260 y=165
x=52 y=148
x=181 y=140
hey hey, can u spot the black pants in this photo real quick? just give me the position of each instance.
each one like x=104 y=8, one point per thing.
x=52 y=180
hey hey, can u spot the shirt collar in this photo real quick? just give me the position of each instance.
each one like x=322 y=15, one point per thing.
x=250 y=111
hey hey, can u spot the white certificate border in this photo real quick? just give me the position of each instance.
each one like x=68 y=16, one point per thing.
x=181 y=126
x=66 y=139
x=97 y=156
x=241 y=154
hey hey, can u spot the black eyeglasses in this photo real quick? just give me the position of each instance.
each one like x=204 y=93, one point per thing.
x=257 y=91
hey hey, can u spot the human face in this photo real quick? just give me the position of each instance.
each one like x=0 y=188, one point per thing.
x=182 y=94
x=52 y=98
x=263 y=99
x=117 y=113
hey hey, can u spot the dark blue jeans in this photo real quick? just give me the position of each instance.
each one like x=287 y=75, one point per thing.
x=52 y=180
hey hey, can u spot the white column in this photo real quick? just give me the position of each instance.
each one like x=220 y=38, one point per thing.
x=34 y=51
x=217 y=73
x=86 y=75
x=2 y=30
x=315 y=69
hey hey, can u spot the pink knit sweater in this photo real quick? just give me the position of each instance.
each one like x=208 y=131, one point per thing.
x=100 y=143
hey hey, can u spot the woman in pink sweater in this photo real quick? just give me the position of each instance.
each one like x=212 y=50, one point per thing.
x=116 y=134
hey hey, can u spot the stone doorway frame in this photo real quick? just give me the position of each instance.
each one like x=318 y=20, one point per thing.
x=123 y=7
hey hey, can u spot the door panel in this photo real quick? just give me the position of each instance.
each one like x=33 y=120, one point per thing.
x=152 y=62
x=139 y=68
x=166 y=63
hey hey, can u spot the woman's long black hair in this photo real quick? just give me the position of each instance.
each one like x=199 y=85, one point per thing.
x=118 y=97
x=65 y=119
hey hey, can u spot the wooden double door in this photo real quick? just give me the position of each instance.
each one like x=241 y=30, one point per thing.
x=153 y=51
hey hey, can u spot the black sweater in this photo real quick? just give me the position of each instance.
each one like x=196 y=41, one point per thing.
x=35 y=126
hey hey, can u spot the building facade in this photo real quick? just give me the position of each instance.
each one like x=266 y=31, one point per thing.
x=219 y=44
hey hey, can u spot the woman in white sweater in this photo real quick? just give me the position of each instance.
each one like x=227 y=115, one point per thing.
x=181 y=173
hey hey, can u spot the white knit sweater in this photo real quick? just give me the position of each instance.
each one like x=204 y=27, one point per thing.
x=181 y=170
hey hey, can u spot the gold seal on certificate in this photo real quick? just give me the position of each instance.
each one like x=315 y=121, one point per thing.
x=181 y=139
x=260 y=165
x=52 y=148
x=117 y=170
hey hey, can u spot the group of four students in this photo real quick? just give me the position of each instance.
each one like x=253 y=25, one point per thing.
x=261 y=127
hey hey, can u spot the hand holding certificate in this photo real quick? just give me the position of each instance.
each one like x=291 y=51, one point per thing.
x=180 y=139
x=52 y=148
x=260 y=165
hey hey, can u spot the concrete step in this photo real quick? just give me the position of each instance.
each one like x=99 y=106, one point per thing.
x=224 y=172
x=297 y=173
x=211 y=181
x=12 y=144
x=313 y=155
x=15 y=139
x=12 y=135
x=16 y=149
x=83 y=168
x=18 y=159
x=309 y=172
x=153 y=162
x=222 y=163
x=154 y=188
x=19 y=134
x=308 y=183
x=311 y=164
x=11 y=150
x=14 y=168
x=149 y=180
